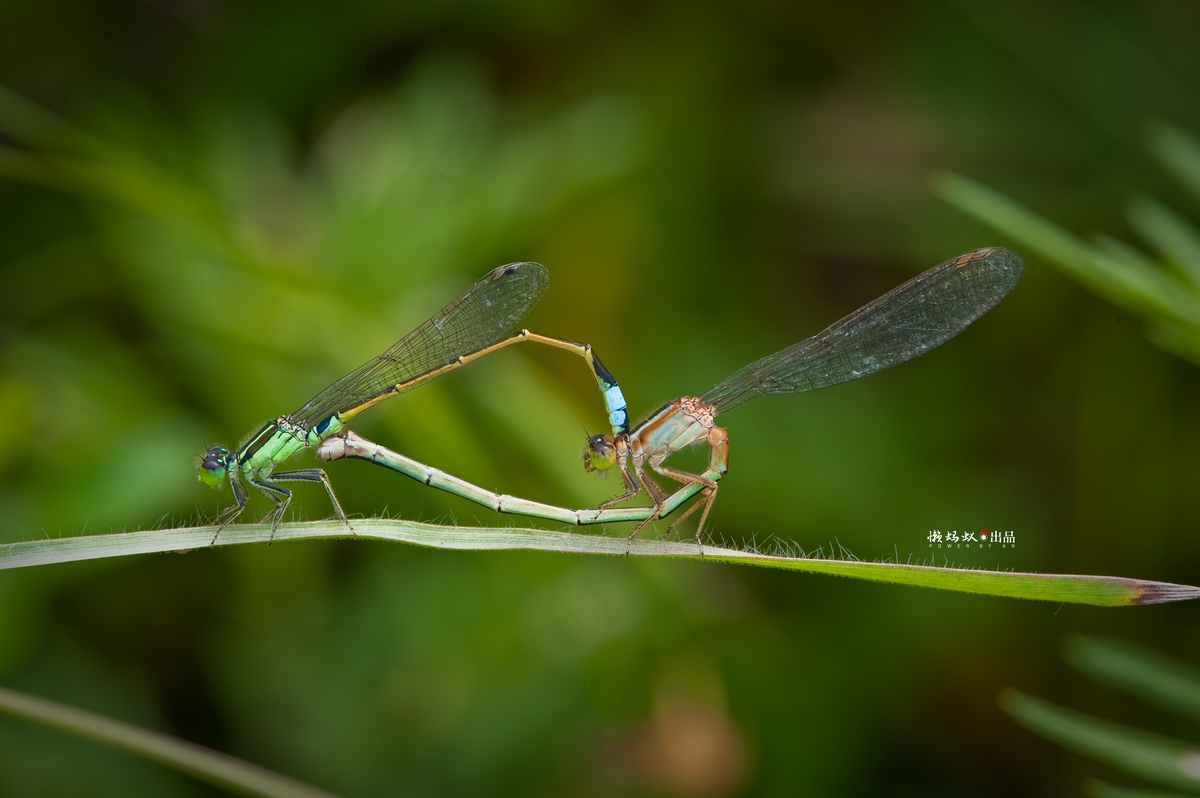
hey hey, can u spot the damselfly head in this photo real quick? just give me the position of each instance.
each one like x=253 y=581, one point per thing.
x=600 y=453
x=213 y=466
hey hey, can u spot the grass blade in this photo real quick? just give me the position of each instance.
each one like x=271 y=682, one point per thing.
x=1139 y=670
x=1179 y=153
x=1162 y=760
x=1075 y=589
x=1172 y=236
x=203 y=763
x=1099 y=789
x=1148 y=292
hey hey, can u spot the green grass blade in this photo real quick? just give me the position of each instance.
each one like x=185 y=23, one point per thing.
x=1099 y=789
x=1075 y=589
x=1139 y=670
x=1172 y=236
x=1119 y=250
x=1162 y=760
x=1146 y=291
x=70 y=159
x=1179 y=154
x=145 y=191
x=28 y=123
x=1181 y=341
x=205 y=764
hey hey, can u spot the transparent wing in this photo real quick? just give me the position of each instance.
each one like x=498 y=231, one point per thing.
x=907 y=321
x=481 y=316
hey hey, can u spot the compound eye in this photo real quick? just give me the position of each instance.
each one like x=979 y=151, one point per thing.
x=600 y=454
x=212 y=466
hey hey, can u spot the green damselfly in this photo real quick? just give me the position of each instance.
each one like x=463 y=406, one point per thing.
x=471 y=326
x=908 y=321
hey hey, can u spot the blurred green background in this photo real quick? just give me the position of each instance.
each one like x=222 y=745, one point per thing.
x=210 y=210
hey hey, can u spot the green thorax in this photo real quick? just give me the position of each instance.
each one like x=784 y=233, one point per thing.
x=278 y=440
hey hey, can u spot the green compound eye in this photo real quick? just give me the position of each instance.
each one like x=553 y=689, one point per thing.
x=212 y=466
x=600 y=454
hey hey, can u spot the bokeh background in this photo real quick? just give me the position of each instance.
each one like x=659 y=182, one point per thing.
x=210 y=210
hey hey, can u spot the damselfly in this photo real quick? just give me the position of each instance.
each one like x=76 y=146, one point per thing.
x=471 y=326
x=908 y=321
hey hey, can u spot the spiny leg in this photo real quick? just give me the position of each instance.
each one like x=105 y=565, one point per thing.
x=718 y=462
x=657 y=495
x=710 y=487
x=632 y=488
x=316 y=475
x=706 y=502
x=703 y=516
x=276 y=493
x=239 y=496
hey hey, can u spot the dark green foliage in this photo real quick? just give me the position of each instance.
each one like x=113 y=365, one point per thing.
x=1153 y=758
x=210 y=211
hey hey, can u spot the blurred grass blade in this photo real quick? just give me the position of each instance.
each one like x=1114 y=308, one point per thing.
x=1099 y=789
x=1146 y=291
x=1182 y=341
x=144 y=190
x=73 y=160
x=1172 y=236
x=1179 y=153
x=1119 y=250
x=33 y=126
x=997 y=210
x=1162 y=760
x=1139 y=670
x=205 y=764
x=1108 y=591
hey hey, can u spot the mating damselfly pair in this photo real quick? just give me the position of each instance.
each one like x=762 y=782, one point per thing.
x=908 y=321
